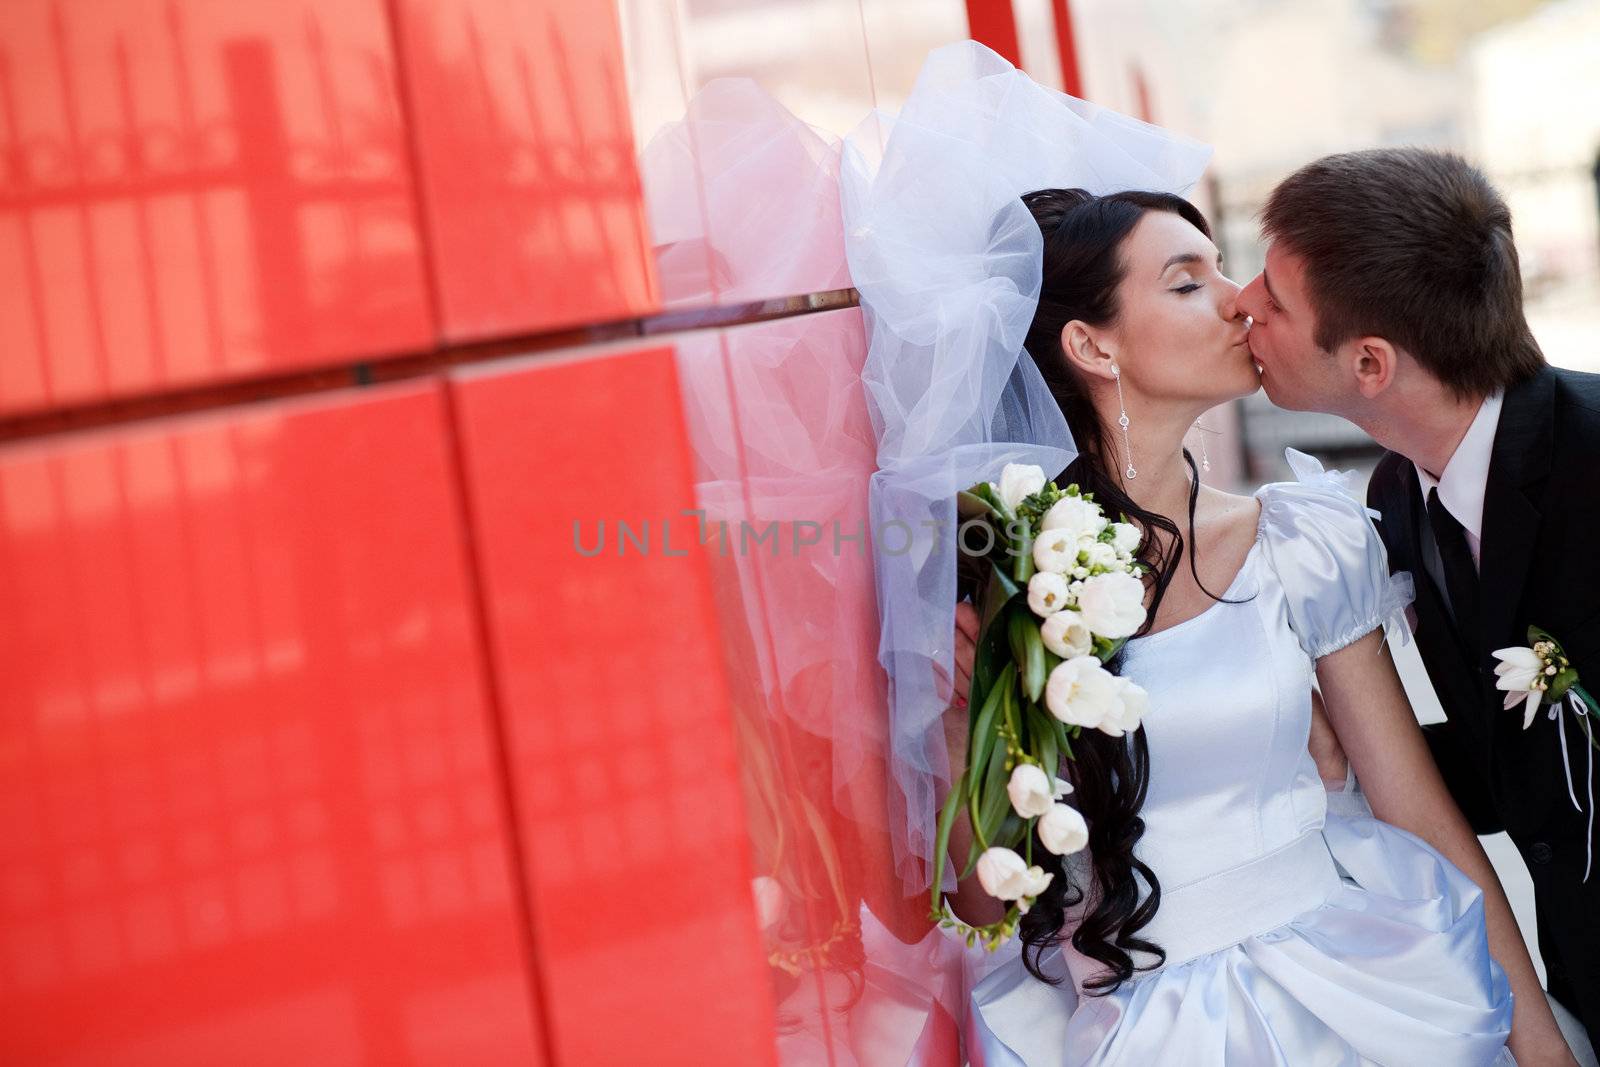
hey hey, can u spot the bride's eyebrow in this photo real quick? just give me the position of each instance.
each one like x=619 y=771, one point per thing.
x=1186 y=258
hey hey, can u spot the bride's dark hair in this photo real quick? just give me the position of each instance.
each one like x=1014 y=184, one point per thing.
x=1083 y=236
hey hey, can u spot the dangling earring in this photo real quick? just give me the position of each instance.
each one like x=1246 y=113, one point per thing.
x=1122 y=421
x=1205 y=456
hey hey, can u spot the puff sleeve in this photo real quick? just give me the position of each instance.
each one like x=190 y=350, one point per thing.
x=1330 y=560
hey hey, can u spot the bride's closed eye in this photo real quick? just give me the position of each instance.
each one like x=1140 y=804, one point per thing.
x=1186 y=289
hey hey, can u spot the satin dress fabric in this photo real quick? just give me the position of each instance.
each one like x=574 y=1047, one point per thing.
x=1294 y=934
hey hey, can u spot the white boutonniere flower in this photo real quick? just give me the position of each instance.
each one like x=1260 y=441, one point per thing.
x=1521 y=675
x=1540 y=673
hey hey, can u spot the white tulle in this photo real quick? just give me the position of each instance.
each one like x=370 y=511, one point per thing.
x=948 y=263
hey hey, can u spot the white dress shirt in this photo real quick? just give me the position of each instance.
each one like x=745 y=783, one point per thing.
x=1461 y=484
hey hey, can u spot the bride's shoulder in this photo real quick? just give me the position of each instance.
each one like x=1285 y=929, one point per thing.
x=1235 y=512
x=1315 y=499
x=1320 y=540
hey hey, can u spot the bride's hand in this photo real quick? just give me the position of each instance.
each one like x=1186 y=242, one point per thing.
x=966 y=648
x=955 y=725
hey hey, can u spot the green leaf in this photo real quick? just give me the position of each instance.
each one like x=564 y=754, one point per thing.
x=1559 y=685
x=1106 y=650
x=995 y=802
x=1042 y=727
x=985 y=492
x=972 y=857
x=990 y=654
x=1022 y=564
x=1027 y=648
x=986 y=653
x=971 y=506
x=1535 y=635
x=947 y=819
x=1011 y=588
x=983 y=736
x=1064 y=736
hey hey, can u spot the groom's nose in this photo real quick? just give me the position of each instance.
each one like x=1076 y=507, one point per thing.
x=1248 y=300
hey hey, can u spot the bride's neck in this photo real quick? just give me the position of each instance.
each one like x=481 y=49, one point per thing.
x=1156 y=440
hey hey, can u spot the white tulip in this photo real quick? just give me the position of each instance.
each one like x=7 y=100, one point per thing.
x=1132 y=704
x=1125 y=538
x=1047 y=593
x=1062 y=830
x=1029 y=790
x=1035 y=881
x=1006 y=876
x=1063 y=787
x=1055 y=551
x=1080 y=692
x=1000 y=872
x=1112 y=604
x=1100 y=554
x=1018 y=481
x=1066 y=634
x=1077 y=516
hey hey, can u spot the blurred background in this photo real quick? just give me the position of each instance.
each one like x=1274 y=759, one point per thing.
x=374 y=378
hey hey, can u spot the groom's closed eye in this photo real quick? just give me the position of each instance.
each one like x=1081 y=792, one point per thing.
x=1273 y=304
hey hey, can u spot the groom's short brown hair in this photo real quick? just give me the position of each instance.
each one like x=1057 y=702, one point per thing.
x=1412 y=245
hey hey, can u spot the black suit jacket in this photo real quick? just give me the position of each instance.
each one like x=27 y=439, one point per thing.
x=1540 y=565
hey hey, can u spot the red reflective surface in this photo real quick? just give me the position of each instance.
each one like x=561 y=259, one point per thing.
x=621 y=741
x=525 y=159
x=250 y=809
x=784 y=453
x=195 y=191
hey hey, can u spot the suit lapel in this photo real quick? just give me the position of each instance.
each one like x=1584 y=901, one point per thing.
x=1519 y=464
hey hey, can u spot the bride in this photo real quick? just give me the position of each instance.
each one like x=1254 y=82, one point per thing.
x=1218 y=916
x=1243 y=944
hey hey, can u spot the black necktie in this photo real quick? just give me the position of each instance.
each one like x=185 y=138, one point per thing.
x=1460 y=575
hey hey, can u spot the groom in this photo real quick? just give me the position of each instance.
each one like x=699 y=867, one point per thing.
x=1392 y=296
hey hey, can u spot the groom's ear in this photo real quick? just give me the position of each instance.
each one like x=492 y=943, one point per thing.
x=1374 y=361
x=1083 y=350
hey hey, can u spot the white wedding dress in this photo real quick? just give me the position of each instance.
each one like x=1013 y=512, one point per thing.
x=1293 y=936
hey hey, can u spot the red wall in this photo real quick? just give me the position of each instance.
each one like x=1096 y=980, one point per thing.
x=318 y=741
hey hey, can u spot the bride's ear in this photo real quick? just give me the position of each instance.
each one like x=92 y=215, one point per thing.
x=1086 y=349
x=1374 y=361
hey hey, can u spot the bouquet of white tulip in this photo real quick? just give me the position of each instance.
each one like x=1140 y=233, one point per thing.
x=1059 y=594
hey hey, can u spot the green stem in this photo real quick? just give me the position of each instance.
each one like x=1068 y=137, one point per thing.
x=1593 y=709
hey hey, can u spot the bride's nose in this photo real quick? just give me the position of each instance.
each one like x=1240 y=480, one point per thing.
x=1230 y=301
